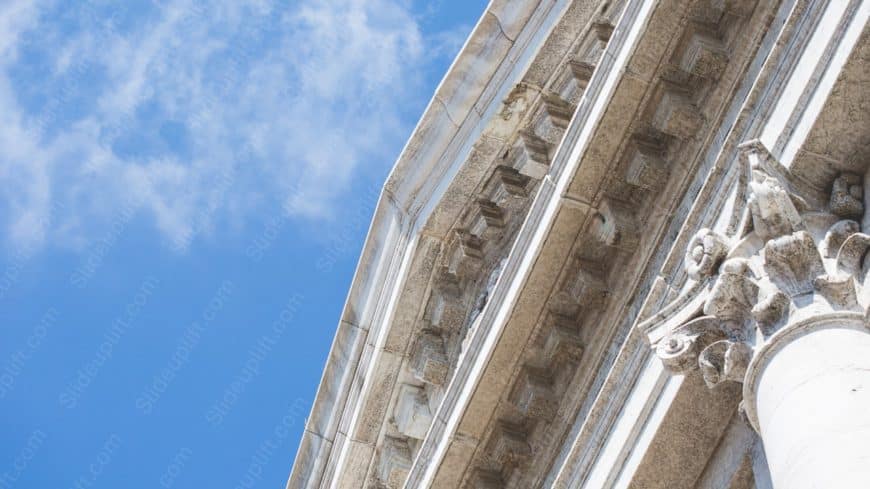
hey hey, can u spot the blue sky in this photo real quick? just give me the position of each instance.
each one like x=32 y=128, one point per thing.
x=184 y=190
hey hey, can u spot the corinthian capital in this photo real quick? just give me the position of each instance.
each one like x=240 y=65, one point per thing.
x=791 y=262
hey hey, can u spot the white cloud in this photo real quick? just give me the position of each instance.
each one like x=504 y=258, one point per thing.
x=198 y=112
x=15 y=16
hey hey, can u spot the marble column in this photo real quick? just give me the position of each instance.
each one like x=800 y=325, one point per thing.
x=807 y=392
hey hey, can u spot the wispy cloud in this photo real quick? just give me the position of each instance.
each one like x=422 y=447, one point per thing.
x=200 y=113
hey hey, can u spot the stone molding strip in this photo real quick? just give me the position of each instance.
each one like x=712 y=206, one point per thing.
x=522 y=255
x=433 y=154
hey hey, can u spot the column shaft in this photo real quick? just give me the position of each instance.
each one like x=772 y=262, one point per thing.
x=812 y=399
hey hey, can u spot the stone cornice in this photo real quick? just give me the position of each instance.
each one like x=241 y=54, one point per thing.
x=458 y=115
x=426 y=465
x=610 y=224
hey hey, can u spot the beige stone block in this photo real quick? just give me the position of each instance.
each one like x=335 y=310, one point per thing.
x=533 y=394
x=337 y=376
x=355 y=470
x=456 y=461
x=429 y=359
x=376 y=397
x=408 y=309
x=683 y=444
x=675 y=114
x=530 y=155
x=562 y=343
x=508 y=445
x=394 y=462
x=412 y=413
x=512 y=16
x=597 y=161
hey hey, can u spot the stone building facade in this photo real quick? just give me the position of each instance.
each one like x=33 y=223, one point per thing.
x=627 y=245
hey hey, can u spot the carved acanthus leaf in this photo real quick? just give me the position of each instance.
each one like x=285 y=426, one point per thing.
x=773 y=210
x=792 y=262
x=724 y=360
x=836 y=236
x=770 y=310
x=852 y=257
x=734 y=294
x=704 y=254
x=838 y=289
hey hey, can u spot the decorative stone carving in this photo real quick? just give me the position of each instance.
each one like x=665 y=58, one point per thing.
x=679 y=351
x=773 y=212
x=847 y=195
x=506 y=185
x=467 y=254
x=488 y=220
x=734 y=293
x=705 y=253
x=531 y=155
x=614 y=225
x=445 y=312
x=603 y=29
x=595 y=42
x=573 y=80
x=852 y=256
x=778 y=272
x=581 y=72
x=675 y=113
x=552 y=119
x=770 y=310
x=704 y=54
x=516 y=102
x=724 y=360
x=836 y=236
x=447 y=282
x=793 y=262
x=562 y=343
x=584 y=288
x=645 y=165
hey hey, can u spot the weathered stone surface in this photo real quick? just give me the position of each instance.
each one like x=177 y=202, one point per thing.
x=429 y=359
x=592 y=175
x=395 y=461
x=531 y=155
x=533 y=394
x=508 y=446
x=412 y=413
